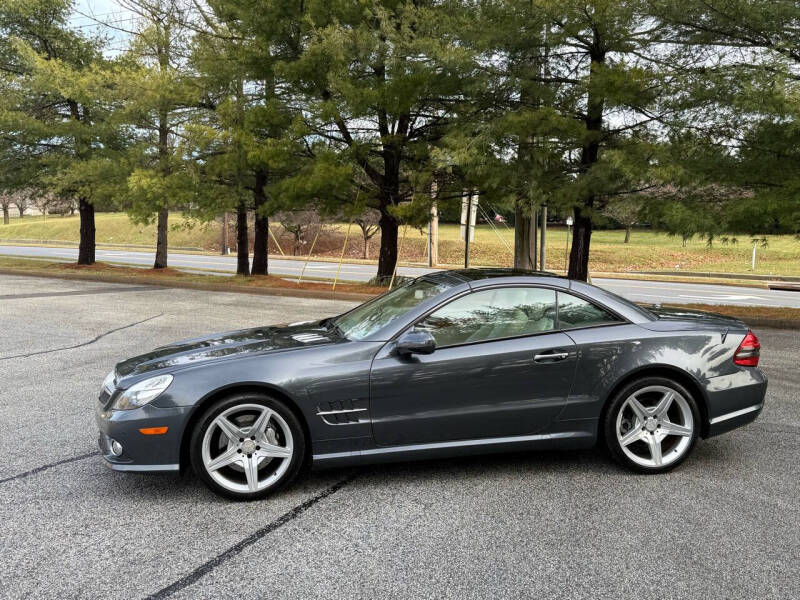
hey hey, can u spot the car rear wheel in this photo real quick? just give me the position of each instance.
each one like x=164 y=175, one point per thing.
x=247 y=445
x=652 y=425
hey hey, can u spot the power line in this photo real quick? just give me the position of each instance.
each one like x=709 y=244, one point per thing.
x=94 y=16
x=104 y=23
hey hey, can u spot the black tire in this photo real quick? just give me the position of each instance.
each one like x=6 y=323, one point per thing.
x=677 y=451
x=287 y=418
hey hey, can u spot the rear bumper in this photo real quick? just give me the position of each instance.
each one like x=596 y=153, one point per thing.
x=735 y=400
x=143 y=453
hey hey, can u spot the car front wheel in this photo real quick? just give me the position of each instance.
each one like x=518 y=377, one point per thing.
x=247 y=445
x=652 y=425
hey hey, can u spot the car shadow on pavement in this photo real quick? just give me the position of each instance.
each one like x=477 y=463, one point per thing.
x=592 y=463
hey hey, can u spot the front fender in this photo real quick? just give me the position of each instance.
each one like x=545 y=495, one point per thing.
x=315 y=379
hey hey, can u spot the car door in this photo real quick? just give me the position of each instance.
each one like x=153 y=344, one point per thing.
x=500 y=369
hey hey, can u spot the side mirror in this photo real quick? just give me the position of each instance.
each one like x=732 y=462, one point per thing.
x=416 y=341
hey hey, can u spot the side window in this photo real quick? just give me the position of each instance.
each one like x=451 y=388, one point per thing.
x=492 y=314
x=577 y=312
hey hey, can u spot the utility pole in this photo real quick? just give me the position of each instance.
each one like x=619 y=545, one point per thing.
x=469 y=209
x=224 y=244
x=566 y=246
x=534 y=236
x=542 y=257
x=433 y=228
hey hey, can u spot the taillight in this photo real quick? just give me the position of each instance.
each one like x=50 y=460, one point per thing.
x=748 y=351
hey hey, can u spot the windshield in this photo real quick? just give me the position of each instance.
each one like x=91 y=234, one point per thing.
x=368 y=318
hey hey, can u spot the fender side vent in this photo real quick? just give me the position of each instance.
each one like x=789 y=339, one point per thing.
x=343 y=412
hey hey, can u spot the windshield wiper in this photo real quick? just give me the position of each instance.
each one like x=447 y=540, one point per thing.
x=330 y=325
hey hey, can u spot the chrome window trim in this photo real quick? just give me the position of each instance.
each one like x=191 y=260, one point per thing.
x=622 y=321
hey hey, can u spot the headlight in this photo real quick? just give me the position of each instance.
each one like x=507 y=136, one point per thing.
x=142 y=393
x=108 y=384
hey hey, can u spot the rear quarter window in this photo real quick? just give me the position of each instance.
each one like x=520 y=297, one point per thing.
x=574 y=312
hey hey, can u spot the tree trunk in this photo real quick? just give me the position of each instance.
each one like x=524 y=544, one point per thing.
x=524 y=238
x=5 y=215
x=627 y=235
x=161 y=239
x=579 y=254
x=242 y=250
x=387 y=257
x=366 y=249
x=261 y=234
x=590 y=154
x=86 y=246
x=163 y=156
x=433 y=258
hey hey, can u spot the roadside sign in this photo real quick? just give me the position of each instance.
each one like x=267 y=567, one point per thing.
x=469 y=207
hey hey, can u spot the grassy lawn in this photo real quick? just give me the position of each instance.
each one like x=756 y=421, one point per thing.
x=647 y=250
x=112 y=228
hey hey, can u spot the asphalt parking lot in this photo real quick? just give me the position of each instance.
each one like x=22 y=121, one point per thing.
x=556 y=525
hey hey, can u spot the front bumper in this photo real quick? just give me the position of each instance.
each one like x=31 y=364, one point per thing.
x=147 y=453
x=735 y=400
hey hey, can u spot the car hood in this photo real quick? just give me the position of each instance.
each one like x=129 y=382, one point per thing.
x=243 y=342
x=698 y=318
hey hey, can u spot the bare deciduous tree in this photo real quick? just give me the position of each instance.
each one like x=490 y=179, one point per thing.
x=625 y=211
x=369 y=223
x=298 y=223
x=21 y=199
x=5 y=202
x=42 y=202
x=57 y=205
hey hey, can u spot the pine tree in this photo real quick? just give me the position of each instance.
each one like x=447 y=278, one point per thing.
x=56 y=116
x=745 y=134
x=159 y=99
x=251 y=135
x=572 y=111
x=379 y=83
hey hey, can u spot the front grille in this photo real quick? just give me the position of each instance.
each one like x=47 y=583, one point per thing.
x=104 y=397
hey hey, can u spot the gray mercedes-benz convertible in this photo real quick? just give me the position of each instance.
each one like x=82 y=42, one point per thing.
x=452 y=363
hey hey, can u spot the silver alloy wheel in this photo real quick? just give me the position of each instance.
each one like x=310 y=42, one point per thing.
x=655 y=426
x=247 y=448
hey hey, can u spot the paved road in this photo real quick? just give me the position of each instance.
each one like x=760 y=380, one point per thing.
x=636 y=290
x=726 y=524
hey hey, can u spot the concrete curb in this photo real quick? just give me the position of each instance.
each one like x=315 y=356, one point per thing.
x=711 y=275
x=786 y=287
x=750 y=283
x=208 y=287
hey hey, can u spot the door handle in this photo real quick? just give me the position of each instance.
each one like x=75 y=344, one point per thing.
x=551 y=357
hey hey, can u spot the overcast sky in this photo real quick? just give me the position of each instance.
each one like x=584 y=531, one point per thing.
x=88 y=12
